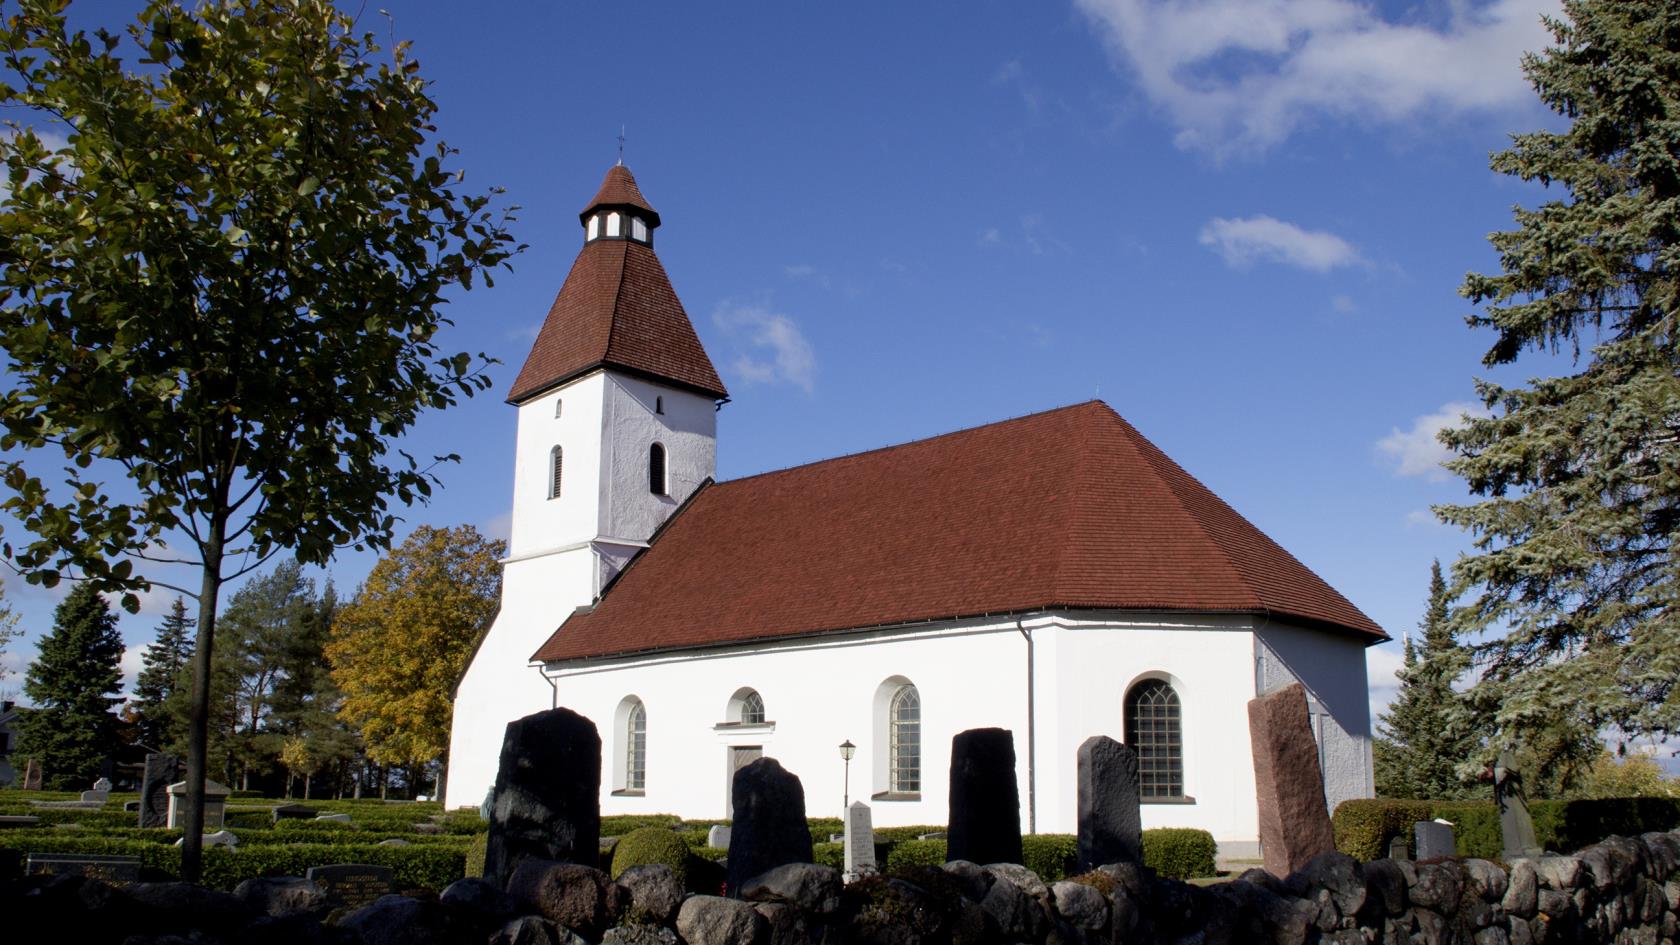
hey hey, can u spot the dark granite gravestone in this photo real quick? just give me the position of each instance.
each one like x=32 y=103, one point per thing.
x=1434 y=840
x=353 y=884
x=984 y=816
x=1294 y=824
x=161 y=771
x=1516 y=828
x=111 y=869
x=547 y=794
x=770 y=828
x=18 y=821
x=1110 y=823
x=294 y=812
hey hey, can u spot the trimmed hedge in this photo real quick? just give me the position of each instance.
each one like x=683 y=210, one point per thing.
x=915 y=853
x=1365 y=827
x=1053 y=856
x=1179 y=852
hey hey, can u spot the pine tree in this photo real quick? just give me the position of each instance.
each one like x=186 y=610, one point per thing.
x=1573 y=577
x=1423 y=735
x=161 y=667
x=74 y=682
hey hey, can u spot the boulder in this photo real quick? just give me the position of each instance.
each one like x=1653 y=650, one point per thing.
x=164 y=905
x=1080 y=906
x=282 y=896
x=654 y=892
x=1522 y=890
x=1438 y=886
x=639 y=935
x=533 y=930
x=714 y=920
x=400 y=920
x=810 y=886
x=1385 y=888
x=580 y=898
x=1487 y=880
x=1339 y=874
x=971 y=878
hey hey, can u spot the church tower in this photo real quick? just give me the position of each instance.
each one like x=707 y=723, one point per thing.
x=617 y=427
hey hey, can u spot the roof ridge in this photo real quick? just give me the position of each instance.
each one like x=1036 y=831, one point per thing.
x=922 y=439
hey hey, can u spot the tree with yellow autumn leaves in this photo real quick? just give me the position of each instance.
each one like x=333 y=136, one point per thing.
x=400 y=645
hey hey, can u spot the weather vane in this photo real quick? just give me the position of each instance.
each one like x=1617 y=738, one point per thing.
x=620 y=145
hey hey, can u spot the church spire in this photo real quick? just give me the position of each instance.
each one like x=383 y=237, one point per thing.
x=617 y=309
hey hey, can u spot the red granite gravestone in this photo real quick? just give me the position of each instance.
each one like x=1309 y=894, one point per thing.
x=1294 y=823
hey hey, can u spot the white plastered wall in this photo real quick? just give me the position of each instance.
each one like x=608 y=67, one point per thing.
x=1332 y=668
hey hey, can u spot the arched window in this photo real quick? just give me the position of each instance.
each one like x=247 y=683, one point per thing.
x=635 y=748
x=904 y=741
x=752 y=708
x=554 y=473
x=557 y=405
x=1154 y=731
x=656 y=470
x=658 y=405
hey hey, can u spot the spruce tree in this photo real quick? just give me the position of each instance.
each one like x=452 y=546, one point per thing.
x=1423 y=736
x=74 y=682
x=1573 y=578
x=160 y=671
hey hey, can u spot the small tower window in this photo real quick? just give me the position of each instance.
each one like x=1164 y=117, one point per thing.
x=613 y=227
x=594 y=226
x=656 y=470
x=658 y=405
x=554 y=473
x=557 y=404
x=638 y=230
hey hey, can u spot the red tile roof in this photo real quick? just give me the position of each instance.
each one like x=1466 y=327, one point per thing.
x=617 y=309
x=619 y=190
x=1072 y=508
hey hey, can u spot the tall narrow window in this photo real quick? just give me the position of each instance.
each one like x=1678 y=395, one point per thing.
x=658 y=405
x=1154 y=731
x=656 y=470
x=752 y=708
x=904 y=746
x=635 y=748
x=558 y=403
x=554 y=465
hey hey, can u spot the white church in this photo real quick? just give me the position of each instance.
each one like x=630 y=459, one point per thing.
x=1056 y=575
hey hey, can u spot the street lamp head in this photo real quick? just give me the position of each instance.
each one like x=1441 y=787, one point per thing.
x=847 y=750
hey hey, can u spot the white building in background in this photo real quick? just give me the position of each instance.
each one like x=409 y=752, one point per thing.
x=1055 y=575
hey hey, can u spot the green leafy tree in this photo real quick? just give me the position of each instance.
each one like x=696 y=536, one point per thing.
x=1424 y=736
x=8 y=630
x=221 y=299
x=161 y=668
x=400 y=645
x=1573 y=575
x=75 y=682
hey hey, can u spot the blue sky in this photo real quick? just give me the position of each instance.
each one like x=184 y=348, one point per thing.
x=1242 y=223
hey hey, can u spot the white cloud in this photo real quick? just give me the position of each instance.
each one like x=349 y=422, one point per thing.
x=1418 y=518
x=1343 y=304
x=1014 y=75
x=51 y=139
x=1241 y=75
x=1245 y=241
x=500 y=526
x=777 y=351
x=1418 y=451
x=1033 y=235
x=133 y=660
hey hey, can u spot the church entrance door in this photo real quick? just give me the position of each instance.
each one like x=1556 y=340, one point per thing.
x=739 y=757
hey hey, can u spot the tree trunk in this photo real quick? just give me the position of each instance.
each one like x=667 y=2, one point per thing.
x=443 y=779
x=198 y=712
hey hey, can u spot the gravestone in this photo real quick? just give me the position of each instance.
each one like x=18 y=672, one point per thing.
x=111 y=869
x=215 y=804
x=718 y=837
x=1110 y=821
x=1516 y=828
x=547 y=794
x=770 y=828
x=103 y=785
x=32 y=776
x=100 y=794
x=353 y=884
x=984 y=816
x=161 y=771
x=860 y=842
x=18 y=821
x=294 y=812
x=1434 y=839
x=488 y=804
x=1397 y=848
x=1294 y=824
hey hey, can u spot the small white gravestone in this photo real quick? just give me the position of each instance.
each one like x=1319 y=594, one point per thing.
x=101 y=792
x=215 y=804
x=221 y=838
x=860 y=842
x=718 y=837
x=103 y=784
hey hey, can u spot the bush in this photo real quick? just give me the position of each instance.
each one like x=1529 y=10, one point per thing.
x=622 y=824
x=829 y=854
x=1052 y=856
x=906 y=853
x=1588 y=821
x=1179 y=852
x=466 y=822
x=647 y=845
x=1364 y=827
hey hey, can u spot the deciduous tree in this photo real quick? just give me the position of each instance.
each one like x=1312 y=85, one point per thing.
x=221 y=300
x=400 y=646
x=75 y=682
x=1573 y=575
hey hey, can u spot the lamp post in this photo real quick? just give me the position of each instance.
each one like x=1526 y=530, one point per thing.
x=847 y=750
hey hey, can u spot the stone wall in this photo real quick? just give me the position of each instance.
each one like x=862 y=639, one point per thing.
x=1623 y=890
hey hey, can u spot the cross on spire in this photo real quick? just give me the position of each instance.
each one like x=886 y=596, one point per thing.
x=620 y=145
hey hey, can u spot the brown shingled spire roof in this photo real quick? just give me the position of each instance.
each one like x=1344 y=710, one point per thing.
x=617 y=310
x=1069 y=509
